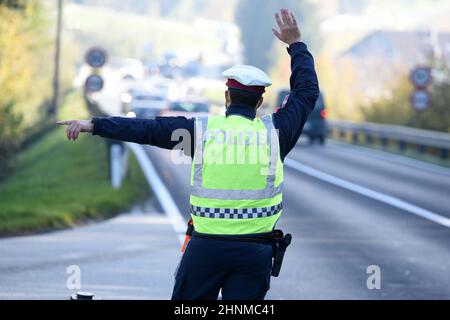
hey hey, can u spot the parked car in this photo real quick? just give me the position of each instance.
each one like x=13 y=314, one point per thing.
x=316 y=126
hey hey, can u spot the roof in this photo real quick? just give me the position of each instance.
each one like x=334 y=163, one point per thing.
x=404 y=45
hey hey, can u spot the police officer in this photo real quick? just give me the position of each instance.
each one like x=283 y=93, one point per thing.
x=237 y=173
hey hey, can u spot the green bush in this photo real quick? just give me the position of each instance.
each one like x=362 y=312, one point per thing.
x=9 y=136
x=24 y=77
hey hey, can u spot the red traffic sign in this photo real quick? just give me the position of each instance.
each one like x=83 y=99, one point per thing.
x=420 y=100
x=93 y=83
x=96 y=57
x=421 y=77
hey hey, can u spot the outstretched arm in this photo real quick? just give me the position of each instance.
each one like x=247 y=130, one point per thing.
x=157 y=132
x=304 y=84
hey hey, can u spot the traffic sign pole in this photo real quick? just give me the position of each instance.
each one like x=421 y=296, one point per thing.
x=420 y=98
x=94 y=83
x=421 y=77
x=96 y=58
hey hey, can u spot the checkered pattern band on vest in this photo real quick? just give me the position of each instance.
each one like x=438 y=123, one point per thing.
x=227 y=213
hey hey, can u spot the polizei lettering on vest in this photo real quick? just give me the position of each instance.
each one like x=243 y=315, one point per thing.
x=236 y=147
x=239 y=147
x=236 y=137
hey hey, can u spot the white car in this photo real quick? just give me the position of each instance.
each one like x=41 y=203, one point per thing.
x=148 y=103
x=168 y=86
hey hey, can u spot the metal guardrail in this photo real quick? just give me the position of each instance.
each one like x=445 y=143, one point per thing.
x=423 y=141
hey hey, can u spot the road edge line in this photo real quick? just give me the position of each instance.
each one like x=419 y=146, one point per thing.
x=160 y=190
x=387 y=199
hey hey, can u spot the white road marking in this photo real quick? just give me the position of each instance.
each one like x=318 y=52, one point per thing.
x=73 y=256
x=160 y=190
x=390 y=200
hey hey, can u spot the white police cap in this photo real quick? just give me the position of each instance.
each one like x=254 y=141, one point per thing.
x=248 y=75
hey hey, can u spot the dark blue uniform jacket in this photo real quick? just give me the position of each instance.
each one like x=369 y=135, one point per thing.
x=288 y=120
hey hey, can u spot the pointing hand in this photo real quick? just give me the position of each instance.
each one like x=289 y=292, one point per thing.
x=74 y=127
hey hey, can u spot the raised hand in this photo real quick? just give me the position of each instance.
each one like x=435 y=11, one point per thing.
x=289 y=31
x=74 y=127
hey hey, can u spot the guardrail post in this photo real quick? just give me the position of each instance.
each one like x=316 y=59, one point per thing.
x=444 y=153
x=355 y=137
x=118 y=160
x=402 y=145
x=342 y=134
x=422 y=148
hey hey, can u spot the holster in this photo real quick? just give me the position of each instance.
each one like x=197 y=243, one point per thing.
x=281 y=242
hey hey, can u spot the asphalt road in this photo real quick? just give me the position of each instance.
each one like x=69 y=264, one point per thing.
x=339 y=233
x=132 y=256
x=347 y=208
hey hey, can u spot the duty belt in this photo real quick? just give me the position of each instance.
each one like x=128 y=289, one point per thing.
x=276 y=238
x=264 y=238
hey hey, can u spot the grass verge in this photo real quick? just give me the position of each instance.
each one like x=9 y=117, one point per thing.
x=58 y=183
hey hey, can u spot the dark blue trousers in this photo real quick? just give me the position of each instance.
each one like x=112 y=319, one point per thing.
x=241 y=270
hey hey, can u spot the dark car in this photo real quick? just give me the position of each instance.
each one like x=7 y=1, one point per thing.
x=316 y=126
